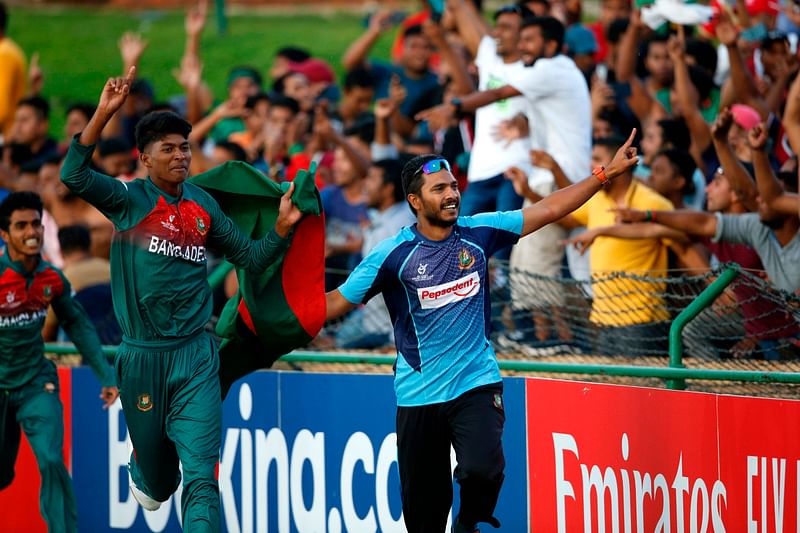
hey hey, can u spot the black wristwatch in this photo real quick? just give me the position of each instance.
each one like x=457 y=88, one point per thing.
x=456 y=103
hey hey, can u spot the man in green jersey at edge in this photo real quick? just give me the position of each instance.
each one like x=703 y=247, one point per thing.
x=167 y=366
x=28 y=381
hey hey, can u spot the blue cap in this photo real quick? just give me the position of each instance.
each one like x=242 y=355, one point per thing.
x=580 y=40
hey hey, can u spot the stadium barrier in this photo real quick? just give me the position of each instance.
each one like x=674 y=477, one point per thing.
x=317 y=452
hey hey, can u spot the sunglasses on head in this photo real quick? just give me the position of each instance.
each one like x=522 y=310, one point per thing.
x=434 y=165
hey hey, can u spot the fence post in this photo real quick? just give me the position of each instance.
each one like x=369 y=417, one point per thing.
x=703 y=300
x=222 y=21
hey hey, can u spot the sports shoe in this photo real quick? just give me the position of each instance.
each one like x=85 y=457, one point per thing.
x=147 y=503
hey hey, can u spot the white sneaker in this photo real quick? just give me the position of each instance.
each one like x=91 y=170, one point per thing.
x=147 y=503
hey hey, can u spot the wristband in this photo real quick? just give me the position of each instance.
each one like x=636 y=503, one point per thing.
x=600 y=174
x=649 y=216
x=456 y=103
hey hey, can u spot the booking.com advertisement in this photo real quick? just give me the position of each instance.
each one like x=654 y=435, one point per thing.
x=317 y=453
x=300 y=452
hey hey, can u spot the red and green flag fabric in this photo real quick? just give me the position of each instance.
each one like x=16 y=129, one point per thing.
x=282 y=308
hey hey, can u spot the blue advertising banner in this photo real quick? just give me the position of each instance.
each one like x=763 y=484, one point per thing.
x=300 y=452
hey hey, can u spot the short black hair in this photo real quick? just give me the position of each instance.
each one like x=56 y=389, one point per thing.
x=675 y=133
x=285 y=101
x=702 y=81
x=113 y=145
x=3 y=17
x=360 y=77
x=789 y=180
x=616 y=29
x=155 y=126
x=684 y=164
x=238 y=152
x=519 y=8
x=293 y=53
x=552 y=29
x=84 y=108
x=703 y=52
x=415 y=29
x=252 y=101
x=392 y=174
x=75 y=238
x=413 y=178
x=363 y=128
x=39 y=105
x=17 y=201
x=613 y=142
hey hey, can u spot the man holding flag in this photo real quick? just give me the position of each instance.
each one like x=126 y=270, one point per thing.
x=167 y=365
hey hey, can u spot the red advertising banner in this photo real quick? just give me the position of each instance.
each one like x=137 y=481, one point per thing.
x=23 y=494
x=627 y=459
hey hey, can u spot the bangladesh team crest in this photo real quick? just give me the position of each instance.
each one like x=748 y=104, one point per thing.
x=144 y=402
x=465 y=259
x=201 y=226
x=47 y=292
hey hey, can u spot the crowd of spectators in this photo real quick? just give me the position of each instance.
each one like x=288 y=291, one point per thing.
x=522 y=101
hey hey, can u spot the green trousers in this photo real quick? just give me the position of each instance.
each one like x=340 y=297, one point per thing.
x=36 y=409
x=171 y=399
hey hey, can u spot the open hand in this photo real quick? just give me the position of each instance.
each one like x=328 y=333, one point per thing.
x=196 y=18
x=131 y=47
x=519 y=180
x=583 y=241
x=438 y=117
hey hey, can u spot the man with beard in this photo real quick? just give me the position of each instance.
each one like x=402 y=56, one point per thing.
x=433 y=277
x=559 y=113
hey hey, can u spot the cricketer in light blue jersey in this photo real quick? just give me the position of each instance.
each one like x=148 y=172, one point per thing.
x=434 y=279
x=438 y=298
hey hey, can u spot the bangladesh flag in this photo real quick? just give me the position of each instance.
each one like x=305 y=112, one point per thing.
x=282 y=308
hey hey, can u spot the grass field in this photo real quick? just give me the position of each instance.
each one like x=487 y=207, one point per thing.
x=78 y=46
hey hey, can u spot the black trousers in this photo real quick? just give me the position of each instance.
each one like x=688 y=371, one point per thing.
x=473 y=425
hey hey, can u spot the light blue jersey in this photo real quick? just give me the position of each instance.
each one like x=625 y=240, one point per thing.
x=438 y=298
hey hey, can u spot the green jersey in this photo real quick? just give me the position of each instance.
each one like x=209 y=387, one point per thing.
x=158 y=253
x=24 y=299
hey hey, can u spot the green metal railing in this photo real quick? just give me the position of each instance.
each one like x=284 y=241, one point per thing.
x=703 y=300
x=675 y=375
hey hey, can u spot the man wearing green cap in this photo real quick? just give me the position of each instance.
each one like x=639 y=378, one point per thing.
x=167 y=366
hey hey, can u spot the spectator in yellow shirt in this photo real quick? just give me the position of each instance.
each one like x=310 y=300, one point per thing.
x=633 y=312
x=12 y=75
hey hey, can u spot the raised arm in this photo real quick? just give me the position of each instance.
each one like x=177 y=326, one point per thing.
x=740 y=82
x=562 y=202
x=104 y=192
x=737 y=175
x=461 y=80
x=769 y=188
x=687 y=94
x=469 y=23
x=688 y=221
x=357 y=52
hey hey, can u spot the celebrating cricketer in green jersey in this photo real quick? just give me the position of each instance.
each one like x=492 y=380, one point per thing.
x=167 y=366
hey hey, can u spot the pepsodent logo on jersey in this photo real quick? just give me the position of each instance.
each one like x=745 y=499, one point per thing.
x=446 y=293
